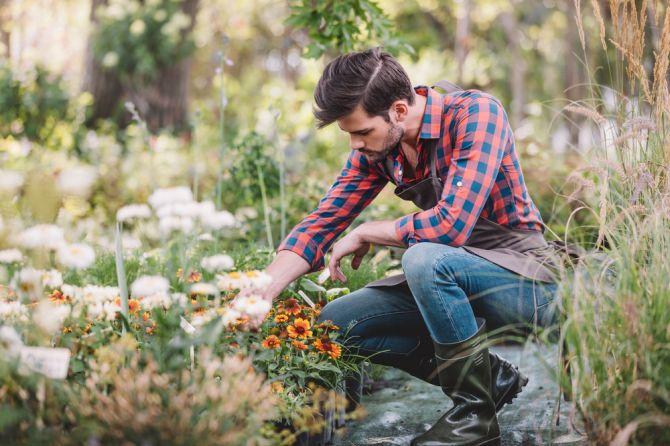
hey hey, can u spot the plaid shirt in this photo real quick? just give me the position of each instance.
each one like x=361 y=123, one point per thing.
x=476 y=160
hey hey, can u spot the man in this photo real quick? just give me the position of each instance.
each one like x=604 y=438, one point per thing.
x=476 y=252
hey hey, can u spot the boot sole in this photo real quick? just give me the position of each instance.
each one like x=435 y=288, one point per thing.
x=512 y=391
x=491 y=442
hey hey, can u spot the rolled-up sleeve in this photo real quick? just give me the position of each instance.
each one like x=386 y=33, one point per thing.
x=356 y=186
x=480 y=136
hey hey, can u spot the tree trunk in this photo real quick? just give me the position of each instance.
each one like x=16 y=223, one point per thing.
x=462 y=45
x=517 y=67
x=573 y=81
x=162 y=103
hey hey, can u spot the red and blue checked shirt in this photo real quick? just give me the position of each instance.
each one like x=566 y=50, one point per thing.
x=476 y=160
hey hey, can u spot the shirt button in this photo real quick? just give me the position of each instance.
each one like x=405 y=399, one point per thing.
x=459 y=184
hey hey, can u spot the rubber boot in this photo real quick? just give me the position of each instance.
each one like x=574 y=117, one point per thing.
x=464 y=371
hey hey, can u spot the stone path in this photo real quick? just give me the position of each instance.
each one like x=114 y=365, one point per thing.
x=406 y=406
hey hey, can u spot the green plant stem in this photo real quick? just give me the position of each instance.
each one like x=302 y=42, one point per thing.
x=266 y=207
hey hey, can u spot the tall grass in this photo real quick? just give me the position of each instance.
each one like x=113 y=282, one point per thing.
x=617 y=302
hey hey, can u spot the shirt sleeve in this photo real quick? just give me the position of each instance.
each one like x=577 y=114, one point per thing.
x=480 y=137
x=356 y=186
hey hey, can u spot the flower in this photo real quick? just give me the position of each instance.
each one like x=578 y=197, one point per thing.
x=13 y=311
x=271 y=342
x=281 y=317
x=220 y=262
x=253 y=306
x=133 y=211
x=137 y=27
x=76 y=255
x=52 y=278
x=110 y=59
x=171 y=224
x=230 y=316
x=10 y=256
x=204 y=289
x=10 y=341
x=58 y=297
x=291 y=306
x=250 y=280
x=299 y=329
x=42 y=236
x=161 y=197
x=149 y=285
x=325 y=345
x=218 y=220
x=194 y=276
x=77 y=180
x=277 y=387
x=133 y=306
x=299 y=345
x=10 y=181
x=49 y=317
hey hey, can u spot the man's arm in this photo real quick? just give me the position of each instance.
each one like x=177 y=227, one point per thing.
x=356 y=186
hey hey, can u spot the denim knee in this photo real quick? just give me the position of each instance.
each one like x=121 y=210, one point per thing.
x=422 y=260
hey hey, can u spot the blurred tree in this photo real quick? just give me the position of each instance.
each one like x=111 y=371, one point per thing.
x=141 y=52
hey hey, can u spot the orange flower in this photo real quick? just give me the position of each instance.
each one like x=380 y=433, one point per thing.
x=327 y=346
x=299 y=345
x=134 y=306
x=299 y=329
x=277 y=387
x=58 y=297
x=271 y=341
x=291 y=306
x=146 y=315
x=180 y=273
x=281 y=317
x=195 y=276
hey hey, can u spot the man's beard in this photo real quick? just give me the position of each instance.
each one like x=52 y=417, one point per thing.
x=393 y=137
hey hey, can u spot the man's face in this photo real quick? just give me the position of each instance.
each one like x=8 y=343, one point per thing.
x=371 y=135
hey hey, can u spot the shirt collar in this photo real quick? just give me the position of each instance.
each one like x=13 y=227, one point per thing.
x=431 y=124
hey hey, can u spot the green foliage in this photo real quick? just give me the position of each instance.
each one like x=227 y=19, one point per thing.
x=344 y=26
x=38 y=107
x=137 y=39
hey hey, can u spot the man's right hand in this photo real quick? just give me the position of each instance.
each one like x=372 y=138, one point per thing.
x=286 y=267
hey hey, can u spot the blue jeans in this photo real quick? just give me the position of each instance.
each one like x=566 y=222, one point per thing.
x=446 y=288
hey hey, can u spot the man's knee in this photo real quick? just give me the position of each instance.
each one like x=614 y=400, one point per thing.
x=421 y=260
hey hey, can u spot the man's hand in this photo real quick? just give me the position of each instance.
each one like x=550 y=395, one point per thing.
x=358 y=242
x=352 y=243
x=284 y=269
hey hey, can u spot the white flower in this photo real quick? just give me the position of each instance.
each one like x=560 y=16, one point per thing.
x=29 y=281
x=206 y=237
x=10 y=256
x=137 y=27
x=49 y=317
x=201 y=319
x=246 y=213
x=219 y=220
x=76 y=255
x=12 y=312
x=10 y=341
x=161 y=197
x=169 y=224
x=10 y=181
x=162 y=300
x=52 y=278
x=110 y=59
x=221 y=262
x=230 y=315
x=249 y=280
x=254 y=306
x=133 y=211
x=204 y=289
x=149 y=285
x=43 y=236
x=179 y=299
x=77 y=180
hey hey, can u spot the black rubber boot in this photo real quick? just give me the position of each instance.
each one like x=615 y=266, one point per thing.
x=507 y=381
x=464 y=371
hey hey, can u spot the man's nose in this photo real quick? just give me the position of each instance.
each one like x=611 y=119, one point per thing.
x=356 y=143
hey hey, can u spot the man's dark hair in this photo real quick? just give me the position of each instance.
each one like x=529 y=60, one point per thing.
x=372 y=78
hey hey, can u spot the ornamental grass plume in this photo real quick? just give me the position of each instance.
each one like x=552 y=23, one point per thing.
x=221 y=401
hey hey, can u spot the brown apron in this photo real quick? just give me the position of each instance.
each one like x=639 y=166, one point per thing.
x=522 y=251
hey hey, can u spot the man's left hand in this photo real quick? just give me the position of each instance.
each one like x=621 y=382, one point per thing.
x=352 y=243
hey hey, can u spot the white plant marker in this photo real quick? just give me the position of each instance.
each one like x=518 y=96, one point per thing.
x=306 y=298
x=121 y=273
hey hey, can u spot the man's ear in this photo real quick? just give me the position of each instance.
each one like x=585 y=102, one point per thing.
x=399 y=109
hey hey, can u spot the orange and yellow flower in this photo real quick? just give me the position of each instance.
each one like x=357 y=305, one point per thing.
x=271 y=342
x=299 y=329
x=195 y=276
x=277 y=387
x=325 y=345
x=134 y=306
x=58 y=297
x=281 y=317
x=291 y=306
x=299 y=345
